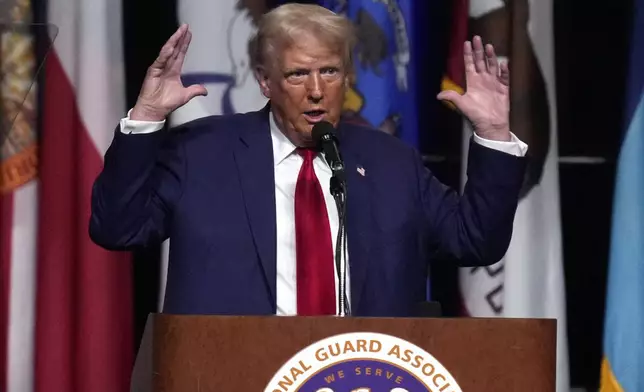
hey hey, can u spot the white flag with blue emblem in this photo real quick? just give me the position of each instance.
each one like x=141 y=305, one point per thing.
x=218 y=57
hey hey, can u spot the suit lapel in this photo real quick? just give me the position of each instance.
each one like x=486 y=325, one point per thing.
x=359 y=217
x=254 y=159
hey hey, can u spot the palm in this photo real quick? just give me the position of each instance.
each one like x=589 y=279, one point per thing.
x=486 y=102
x=162 y=91
x=166 y=91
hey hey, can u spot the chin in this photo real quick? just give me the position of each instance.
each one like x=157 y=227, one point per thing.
x=306 y=135
x=301 y=136
x=305 y=130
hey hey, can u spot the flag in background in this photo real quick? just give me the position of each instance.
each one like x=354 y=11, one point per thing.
x=454 y=77
x=384 y=92
x=529 y=281
x=65 y=311
x=218 y=57
x=623 y=344
x=84 y=327
x=18 y=196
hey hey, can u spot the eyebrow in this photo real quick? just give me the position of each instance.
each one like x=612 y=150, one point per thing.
x=305 y=69
x=296 y=69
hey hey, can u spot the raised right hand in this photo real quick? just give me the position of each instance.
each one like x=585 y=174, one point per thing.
x=162 y=91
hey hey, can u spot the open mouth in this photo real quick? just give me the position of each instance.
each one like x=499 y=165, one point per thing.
x=314 y=115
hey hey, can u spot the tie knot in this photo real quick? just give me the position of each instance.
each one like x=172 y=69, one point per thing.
x=307 y=153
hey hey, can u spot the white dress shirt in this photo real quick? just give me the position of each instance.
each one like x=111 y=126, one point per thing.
x=287 y=165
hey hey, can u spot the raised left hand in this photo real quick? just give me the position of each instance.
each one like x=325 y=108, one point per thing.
x=486 y=102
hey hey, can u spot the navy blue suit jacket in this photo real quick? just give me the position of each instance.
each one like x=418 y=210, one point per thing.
x=209 y=186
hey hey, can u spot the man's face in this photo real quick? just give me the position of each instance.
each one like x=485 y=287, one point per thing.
x=305 y=86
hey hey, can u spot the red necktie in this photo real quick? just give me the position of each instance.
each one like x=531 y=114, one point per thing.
x=314 y=249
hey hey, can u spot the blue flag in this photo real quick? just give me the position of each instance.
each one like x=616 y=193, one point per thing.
x=384 y=93
x=623 y=362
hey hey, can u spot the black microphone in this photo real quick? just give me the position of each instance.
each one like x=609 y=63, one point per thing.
x=324 y=136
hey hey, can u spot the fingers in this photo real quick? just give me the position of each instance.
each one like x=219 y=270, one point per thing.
x=493 y=62
x=505 y=74
x=479 y=55
x=479 y=59
x=167 y=52
x=182 y=49
x=468 y=57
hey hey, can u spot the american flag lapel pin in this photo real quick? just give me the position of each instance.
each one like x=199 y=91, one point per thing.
x=361 y=170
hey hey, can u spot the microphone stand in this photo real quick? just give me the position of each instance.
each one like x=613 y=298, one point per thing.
x=338 y=189
x=325 y=137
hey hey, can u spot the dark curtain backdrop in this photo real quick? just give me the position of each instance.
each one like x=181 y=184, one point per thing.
x=592 y=41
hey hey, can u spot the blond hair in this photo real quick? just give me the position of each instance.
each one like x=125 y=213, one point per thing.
x=281 y=27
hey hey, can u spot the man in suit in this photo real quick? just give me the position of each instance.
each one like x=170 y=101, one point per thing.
x=245 y=198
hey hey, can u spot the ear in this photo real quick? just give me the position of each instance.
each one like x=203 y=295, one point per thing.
x=349 y=79
x=264 y=82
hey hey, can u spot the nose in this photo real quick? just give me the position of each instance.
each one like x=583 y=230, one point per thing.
x=315 y=86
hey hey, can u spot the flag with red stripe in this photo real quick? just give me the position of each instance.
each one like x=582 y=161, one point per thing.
x=84 y=318
x=65 y=303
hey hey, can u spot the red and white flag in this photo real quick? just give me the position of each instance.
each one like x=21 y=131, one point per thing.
x=67 y=302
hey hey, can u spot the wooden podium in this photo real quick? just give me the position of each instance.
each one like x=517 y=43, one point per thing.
x=231 y=353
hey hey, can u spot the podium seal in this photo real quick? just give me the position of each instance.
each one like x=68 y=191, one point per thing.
x=362 y=362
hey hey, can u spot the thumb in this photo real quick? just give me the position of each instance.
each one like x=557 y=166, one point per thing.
x=451 y=98
x=195 y=90
x=449 y=95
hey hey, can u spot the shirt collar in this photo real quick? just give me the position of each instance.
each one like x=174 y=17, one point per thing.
x=282 y=146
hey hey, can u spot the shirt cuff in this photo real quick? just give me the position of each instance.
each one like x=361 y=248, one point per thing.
x=139 y=127
x=514 y=147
